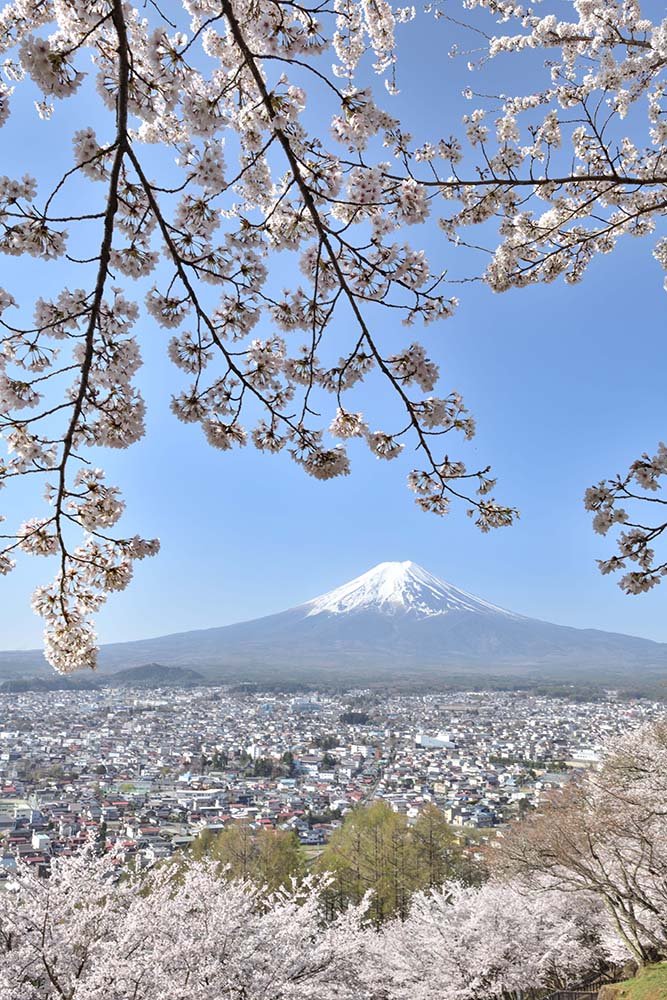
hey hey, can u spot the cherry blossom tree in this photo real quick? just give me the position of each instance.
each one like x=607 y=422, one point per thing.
x=216 y=220
x=604 y=836
x=86 y=934
x=227 y=91
x=498 y=940
x=90 y=932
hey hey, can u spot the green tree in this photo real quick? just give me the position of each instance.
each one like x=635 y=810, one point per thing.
x=438 y=851
x=201 y=845
x=377 y=849
x=101 y=844
x=326 y=742
x=354 y=718
x=234 y=848
x=270 y=858
x=279 y=858
x=373 y=851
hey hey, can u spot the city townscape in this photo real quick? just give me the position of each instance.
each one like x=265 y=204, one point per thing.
x=145 y=772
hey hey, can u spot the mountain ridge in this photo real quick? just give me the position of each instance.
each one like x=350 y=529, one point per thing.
x=395 y=620
x=148 y=675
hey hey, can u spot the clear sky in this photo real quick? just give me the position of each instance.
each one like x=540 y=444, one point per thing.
x=567 y=386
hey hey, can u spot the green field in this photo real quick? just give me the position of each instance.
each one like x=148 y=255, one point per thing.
x=649 y=984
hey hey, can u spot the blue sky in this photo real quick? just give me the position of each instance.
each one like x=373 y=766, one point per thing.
x=566 y=384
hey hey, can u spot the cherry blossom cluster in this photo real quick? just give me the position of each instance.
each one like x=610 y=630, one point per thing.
x=564 y=172
x=242 y=180
x=616 y=503
x=554 y=174
x=87 y=932
x=495 y=941
x=184 y=932
x=102 y=407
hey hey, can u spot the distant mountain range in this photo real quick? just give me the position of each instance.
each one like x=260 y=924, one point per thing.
x=396 y=622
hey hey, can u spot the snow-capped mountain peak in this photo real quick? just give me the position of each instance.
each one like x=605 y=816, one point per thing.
x=396 y=623
x=400 y=588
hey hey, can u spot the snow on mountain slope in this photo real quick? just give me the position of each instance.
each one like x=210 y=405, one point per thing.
x=400 y=588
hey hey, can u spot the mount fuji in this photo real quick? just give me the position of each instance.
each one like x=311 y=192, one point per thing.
x=397 y=622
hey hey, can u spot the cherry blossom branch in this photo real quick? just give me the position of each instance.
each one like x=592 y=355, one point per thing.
x=609 y=502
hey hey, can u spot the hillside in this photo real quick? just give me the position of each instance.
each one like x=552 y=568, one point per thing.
x=153 y=675
x=149 y=675
x=649 y=984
